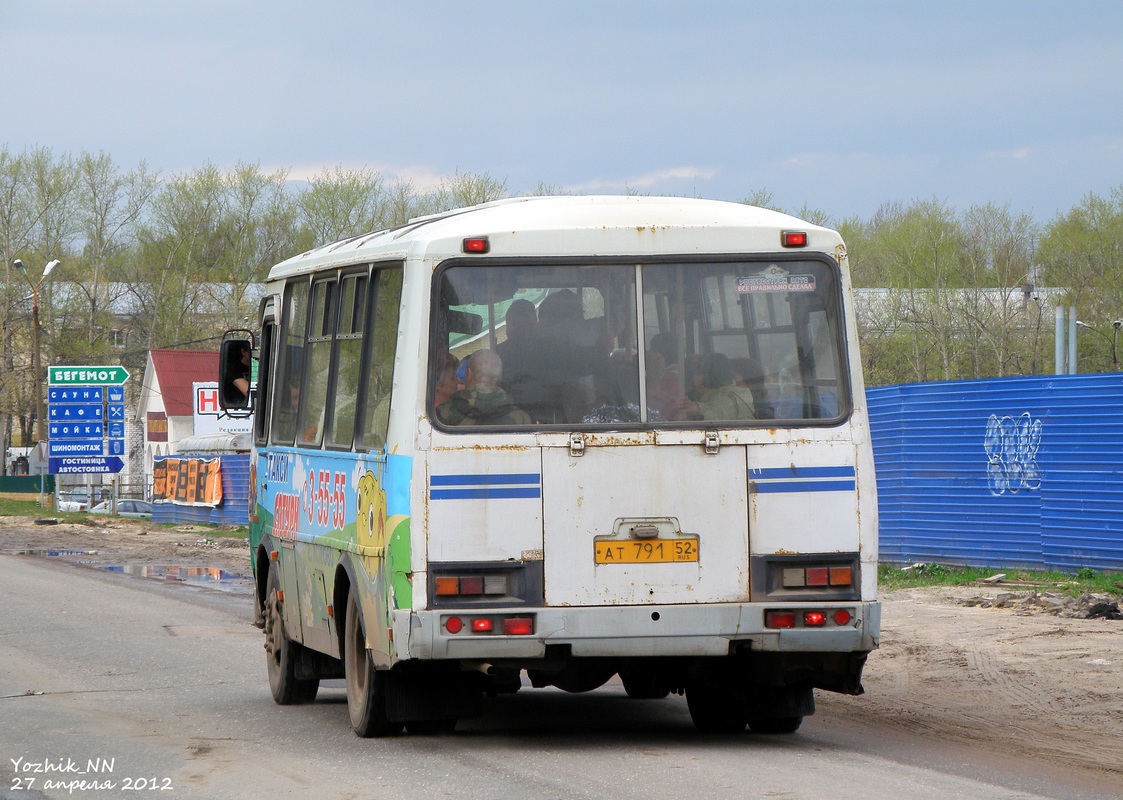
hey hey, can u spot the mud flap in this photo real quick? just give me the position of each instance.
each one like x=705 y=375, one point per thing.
x=414 y=695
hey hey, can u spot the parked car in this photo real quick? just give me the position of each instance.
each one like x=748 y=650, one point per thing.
x=137 y=509
x=73 y=501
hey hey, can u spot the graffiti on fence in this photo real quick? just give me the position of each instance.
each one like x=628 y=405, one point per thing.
x=1011 y=447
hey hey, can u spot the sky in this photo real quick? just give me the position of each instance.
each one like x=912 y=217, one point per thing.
x=836 y=106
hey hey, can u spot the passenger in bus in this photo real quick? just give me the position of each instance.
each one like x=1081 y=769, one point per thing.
x=481 y=401
x=658 y=397
x=719 y=398
x=447 y=383
x=666 y=345
x=573 y=355
x=522 y=354
x=521 y=328
x=748 y=373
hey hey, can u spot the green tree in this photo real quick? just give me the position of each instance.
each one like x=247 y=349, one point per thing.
x=36 y=225
x=256 y=229
x=1082 y=251
x=178 y=252
x=341 y=203
x=109 y=207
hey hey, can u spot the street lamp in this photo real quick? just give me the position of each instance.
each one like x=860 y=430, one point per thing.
x=35 y=335
x=1115 y=326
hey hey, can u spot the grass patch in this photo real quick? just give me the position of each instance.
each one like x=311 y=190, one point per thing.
x=31 y=509
x=892 y=576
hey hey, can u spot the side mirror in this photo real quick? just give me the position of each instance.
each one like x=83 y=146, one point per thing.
x=235 y=369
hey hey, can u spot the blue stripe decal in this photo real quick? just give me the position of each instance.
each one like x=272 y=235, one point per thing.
x=486 y=493
x=780 y=480
x=770 y=487
x=497 y=486
x=790 y=473
x=484 y=480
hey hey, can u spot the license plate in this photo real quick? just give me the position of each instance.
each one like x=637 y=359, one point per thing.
x=648 y=551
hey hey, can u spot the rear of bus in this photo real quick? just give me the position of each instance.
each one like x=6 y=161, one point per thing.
x=644 y=453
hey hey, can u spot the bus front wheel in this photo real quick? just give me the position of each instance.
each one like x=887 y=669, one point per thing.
x=366 y=686
x=283 y=654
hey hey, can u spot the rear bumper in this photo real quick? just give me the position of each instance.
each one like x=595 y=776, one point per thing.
x=637 y=631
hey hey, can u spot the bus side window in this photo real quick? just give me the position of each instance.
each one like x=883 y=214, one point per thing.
x=317 y=368
x=348 y=361
x=382 y=342
x=286 y=394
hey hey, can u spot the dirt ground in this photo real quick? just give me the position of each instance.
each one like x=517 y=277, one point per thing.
x=987 y=667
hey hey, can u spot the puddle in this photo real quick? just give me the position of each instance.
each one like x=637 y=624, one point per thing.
x=48 y=552
x=213 y=577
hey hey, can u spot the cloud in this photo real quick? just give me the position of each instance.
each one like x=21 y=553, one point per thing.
x=423 y=178
x=1017 y=155
x=647 y=180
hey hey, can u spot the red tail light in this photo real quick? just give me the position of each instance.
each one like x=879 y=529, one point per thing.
x=518 y=626
x=814 y=619
x=793 y=238
x=779 y=619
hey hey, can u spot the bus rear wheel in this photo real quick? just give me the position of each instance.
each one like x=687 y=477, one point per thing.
x=431 y=727
x=778 y=725
x=283 y=654
x=366 y=686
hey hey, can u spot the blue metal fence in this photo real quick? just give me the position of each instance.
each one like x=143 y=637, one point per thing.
x=1003 y=472
x=235 y=506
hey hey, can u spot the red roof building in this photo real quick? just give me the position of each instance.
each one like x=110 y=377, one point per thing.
x=166 y=405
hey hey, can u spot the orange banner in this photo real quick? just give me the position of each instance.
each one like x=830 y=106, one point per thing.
x=187 y=481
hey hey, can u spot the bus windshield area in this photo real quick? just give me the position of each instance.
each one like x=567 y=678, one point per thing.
x=721 y=343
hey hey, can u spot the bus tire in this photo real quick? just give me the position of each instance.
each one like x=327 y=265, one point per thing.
x=776 y=725
x=283 y=654
x=366 y=686
x=713 y=707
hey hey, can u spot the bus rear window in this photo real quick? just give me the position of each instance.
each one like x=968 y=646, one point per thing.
x=727 y=344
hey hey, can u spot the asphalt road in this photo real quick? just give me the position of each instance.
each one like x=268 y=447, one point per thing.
x=157 y=689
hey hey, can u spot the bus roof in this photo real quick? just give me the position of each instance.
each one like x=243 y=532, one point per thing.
x=597 y=225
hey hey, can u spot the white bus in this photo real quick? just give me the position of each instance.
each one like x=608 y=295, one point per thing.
x=555 y=440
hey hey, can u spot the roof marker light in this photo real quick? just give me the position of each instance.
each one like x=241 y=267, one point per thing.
x=793 y=238
x=476 y=244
